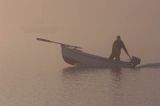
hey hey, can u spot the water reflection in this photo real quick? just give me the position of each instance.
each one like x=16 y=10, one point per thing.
x=116 y=74
x=116 y=86
x=108 y=87
x=92 y=86
x=88 y=69
x=71 y=70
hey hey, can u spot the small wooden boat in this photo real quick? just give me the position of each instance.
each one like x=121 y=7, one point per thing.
x=74 y=56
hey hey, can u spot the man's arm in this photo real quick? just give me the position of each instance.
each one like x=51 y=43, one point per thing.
x=125 y=49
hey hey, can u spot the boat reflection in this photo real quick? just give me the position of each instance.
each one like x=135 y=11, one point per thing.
x=102 y=81
x=114 y=73
x=80 y=69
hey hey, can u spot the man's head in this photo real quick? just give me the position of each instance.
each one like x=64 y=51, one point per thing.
x=118 y=37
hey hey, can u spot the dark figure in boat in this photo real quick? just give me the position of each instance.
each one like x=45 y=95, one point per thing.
x=116 y=49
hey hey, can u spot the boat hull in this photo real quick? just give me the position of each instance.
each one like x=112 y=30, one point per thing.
x=79 y=58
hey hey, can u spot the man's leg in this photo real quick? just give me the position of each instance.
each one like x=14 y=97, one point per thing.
x=118 y=56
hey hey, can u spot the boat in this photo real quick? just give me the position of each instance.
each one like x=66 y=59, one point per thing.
x=77 y=57
x=73 y=55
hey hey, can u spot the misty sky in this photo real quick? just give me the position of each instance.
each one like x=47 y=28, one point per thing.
x=85 y=18
x=92 y=24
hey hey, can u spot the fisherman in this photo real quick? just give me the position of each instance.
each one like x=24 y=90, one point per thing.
x=116 y=49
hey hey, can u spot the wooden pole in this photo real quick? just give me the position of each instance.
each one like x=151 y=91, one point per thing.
x=46 y=40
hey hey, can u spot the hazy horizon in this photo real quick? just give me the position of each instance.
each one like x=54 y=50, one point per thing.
x=91 y=24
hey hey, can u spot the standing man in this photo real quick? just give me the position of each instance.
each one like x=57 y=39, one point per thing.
x=116 y=49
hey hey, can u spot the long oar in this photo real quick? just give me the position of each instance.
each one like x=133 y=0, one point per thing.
x=45 y=40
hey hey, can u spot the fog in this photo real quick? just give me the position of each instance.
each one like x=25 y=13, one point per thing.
x=33 y=73
x=91 y=24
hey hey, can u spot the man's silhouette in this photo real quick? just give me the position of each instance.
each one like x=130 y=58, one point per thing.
x=116 y=49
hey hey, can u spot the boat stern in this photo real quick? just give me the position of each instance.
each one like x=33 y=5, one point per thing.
x=135 y=60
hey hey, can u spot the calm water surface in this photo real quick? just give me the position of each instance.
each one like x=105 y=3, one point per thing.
x=80 y=87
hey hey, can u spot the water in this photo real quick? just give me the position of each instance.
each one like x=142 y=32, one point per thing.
x=70 y=86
